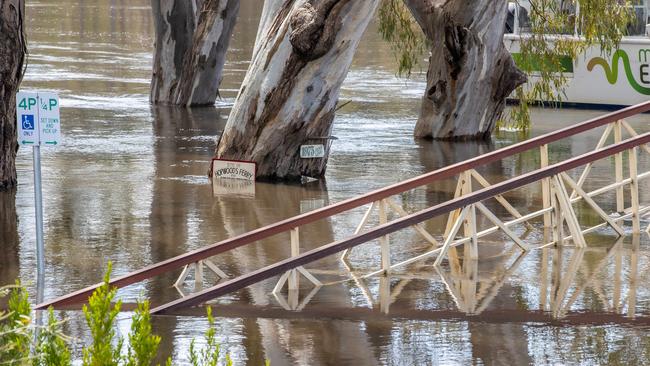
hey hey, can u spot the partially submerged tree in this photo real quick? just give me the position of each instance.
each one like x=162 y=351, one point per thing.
x=470 y=71
x=192 y=38
x=13 y=49
x=303 y=53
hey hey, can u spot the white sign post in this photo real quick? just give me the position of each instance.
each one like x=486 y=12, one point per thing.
x=38 y=124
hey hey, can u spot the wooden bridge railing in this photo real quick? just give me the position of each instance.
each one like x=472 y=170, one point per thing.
x=382 y=230
x=292 y=224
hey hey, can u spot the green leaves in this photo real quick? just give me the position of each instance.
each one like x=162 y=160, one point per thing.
x=143 y=344
x=50 y=345
x=100 y=317
x=17 y=334
x=51 y=348
x=209 y=354
x=106 y=348
x=398 y=27
x=15 y=331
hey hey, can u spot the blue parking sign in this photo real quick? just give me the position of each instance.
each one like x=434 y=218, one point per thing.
x=28 y=122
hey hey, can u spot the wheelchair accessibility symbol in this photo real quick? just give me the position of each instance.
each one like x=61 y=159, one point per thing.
x=28 y=122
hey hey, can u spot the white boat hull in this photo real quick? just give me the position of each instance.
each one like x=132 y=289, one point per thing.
x=620 y=79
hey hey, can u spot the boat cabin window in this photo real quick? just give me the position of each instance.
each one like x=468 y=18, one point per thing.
x=518 y=21
x=638 y=26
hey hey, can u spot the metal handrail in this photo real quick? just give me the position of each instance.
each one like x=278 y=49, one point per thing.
x=398 y=224
x=346 y=205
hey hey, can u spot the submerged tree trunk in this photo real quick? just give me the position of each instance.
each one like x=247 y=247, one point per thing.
x=10 y=243
x=470 y=71
x=12 y=56
x=192 y=38
x=290 y=92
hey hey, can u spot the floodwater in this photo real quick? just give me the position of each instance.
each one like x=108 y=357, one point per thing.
x=129 y=185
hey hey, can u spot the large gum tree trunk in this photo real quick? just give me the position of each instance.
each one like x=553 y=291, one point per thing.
x=12 y=56
x=192 y=38
x=289 y=94
x=470 y=71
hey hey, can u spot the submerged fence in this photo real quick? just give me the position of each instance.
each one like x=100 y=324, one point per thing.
x=559 y=192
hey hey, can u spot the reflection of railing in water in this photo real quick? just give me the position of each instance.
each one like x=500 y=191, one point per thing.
x=564 y=277
x=560 y=300
x=462 y=208
x=560 y=286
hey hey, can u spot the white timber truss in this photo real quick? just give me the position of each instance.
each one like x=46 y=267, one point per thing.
x=560 y=194
x=198 y=268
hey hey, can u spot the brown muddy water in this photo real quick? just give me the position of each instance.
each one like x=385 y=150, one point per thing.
x=129 y=185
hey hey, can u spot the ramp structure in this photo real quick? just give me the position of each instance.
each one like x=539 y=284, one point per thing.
x=560 y=184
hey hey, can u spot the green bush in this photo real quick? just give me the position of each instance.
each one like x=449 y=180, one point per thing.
x=51 y=348
x=143 y=343
x=209 y=355
x=100 y=316
x=19 y=346
x=15 y=330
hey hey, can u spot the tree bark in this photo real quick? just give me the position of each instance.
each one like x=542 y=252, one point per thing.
x=289 y=95
x=192 y=38
x=10 y=241
x=13 y=49
x=470 y=71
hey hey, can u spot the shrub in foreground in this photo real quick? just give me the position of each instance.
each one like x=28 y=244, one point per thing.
x=22 y=343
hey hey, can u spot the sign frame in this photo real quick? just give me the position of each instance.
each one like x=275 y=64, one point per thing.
x=38 y=123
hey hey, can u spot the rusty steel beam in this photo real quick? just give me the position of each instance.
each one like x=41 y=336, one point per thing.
x=396 y=225
x=346 y=205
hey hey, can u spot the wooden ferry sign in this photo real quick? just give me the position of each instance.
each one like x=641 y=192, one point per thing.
x=233 y=169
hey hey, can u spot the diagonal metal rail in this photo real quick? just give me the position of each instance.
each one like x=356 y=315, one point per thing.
x=399 y=224
x=325 y=212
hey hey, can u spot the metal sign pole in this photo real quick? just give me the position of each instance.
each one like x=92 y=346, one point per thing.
x=38 y=203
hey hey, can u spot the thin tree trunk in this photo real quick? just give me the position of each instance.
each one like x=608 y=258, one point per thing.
x=13 y=49
x=470 y=71
x=289 y=95
x=9 y=241
x=192 y=38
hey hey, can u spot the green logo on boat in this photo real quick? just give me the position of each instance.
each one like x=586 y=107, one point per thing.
x=612 y=72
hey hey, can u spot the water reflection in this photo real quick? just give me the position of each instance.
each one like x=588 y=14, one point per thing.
x=588 y=290
x=603 y=279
